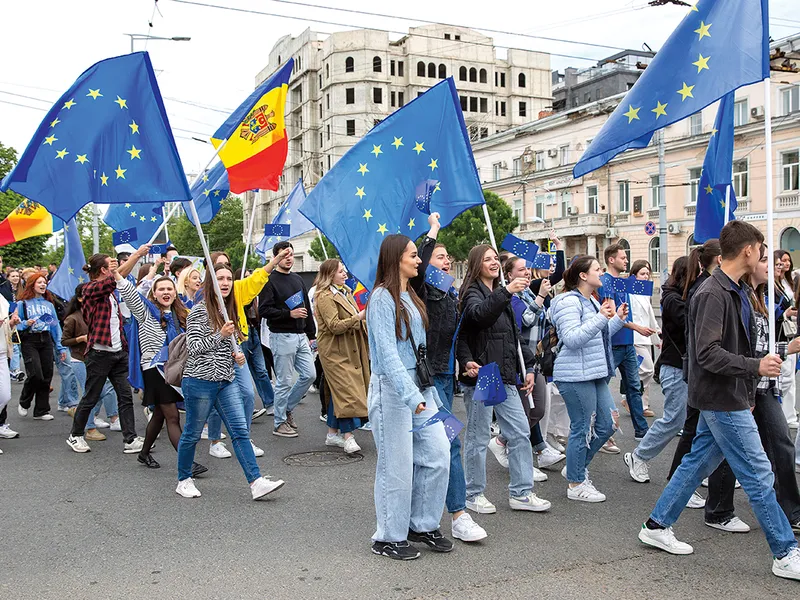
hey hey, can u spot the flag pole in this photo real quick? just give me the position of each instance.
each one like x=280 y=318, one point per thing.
x=322 y=243
x=490 y=229
x=249 y=236
x=770 y=200
x=163 y=225
x=727 y=203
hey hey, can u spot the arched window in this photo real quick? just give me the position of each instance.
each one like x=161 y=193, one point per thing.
x=627 y=247
x=483 y=76
x=790 y=240
x=653 y=252
x=279 y=59
x=691 y=244
x=327 y=71
x=462 y=74
x=431 y=70
x=376 y=64
x=522 y=80
x=473 y=75
x=349 y=65
x=442 y=72
x=420 y=69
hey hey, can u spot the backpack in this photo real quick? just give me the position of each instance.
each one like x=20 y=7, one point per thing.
x=178 y=353
x=546 y=351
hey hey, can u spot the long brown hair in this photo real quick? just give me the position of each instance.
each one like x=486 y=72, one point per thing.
x=28 y=292
x=95 y=265
x=387 y=276
x=700 y=259
x=580 y=264
x=178 y=308
x=757 y=294
x=474 y=264
x=215 y=318
x=327 y=271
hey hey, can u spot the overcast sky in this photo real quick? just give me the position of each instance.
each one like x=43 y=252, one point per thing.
x=48 y=43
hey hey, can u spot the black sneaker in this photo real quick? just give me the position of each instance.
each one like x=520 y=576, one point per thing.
x=395 y=550
x=198 y=469
x=432 y=539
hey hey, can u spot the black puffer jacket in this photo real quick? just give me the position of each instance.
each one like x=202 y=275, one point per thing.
x=673 y=329
x=489 y=334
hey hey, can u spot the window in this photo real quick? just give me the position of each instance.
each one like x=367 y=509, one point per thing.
x=320 y=81
x=516 y=166
x=790 y=99
x=401 y=97
x=523 y=109
x=628 y=86
x=329 y=162
x=496 y=170
x=327 y=70
x=351 y=127
x=400 y=70
x=377 y=64
x=392 y=98
x=473 y=133
x=320 y=138
x=376 y=122
x=587 y=97
x=321 y=171
x=447 y=36
x=539 y=161
x=627 y=247
x=484 y=105
x=696 y=124
x=328 y=101
x=350 y=95
x=328 y=132
x=463 y=100
x=502 y=80
x=741 y=179
x=457 y=37
x=484 y=132
x=391 y=67
x=566 y=202
x=521 y=80
x=518 y=209
x=563 y=155
x=419 y=94
x=482 y=75
x=377 y=95
x=655 y=255
x=624 y=196
x=502 y=109
x=654 y=191
x=496 y=75
x=496 y=107
x=790 y=163
x=442 y=72
x=694 y=184
x=473 y=75
x=420 y=69
x=741 y=114
x=431 y=70
x=539 y=203
x=349 y=65
x=473 y=104
x=592 y=200
x=462 y=74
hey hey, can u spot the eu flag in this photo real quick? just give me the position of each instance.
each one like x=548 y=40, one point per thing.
x=522 y=248
x=716 y=176
x=208 y=192
x=107 y=140
x=372 y=189
x=719 y=46
x=489 y=387
x=71 y=272
x=144 y=219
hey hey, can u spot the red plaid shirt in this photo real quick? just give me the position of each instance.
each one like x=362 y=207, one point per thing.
x=96 y=311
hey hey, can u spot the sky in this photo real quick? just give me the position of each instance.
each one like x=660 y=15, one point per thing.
x=49 y=43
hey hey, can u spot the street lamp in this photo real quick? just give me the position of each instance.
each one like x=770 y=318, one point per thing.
x=142 y=36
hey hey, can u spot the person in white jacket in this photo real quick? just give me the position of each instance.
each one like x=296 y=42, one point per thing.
x=643 y=314
x=7 y=323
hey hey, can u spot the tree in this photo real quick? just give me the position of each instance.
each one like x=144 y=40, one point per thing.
x=315 y=249
x=469 y=228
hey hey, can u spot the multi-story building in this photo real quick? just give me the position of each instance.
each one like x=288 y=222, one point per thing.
x=530 y=166
x=344 y=85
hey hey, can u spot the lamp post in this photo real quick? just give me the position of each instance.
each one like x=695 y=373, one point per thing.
x=142 y=36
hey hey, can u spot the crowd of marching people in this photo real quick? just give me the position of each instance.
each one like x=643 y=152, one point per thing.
x=197 y=344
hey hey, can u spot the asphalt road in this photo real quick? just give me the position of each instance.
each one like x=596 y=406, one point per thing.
x=99 y=526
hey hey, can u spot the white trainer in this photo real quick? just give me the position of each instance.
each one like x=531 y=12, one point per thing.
x=204 y=434
x=549 y=457
x=7 y=433
x=539 y=476
x=44 y=417
x=219 y=450
x=351 y=445
x=467 y=530
x=529 y=501
x=663 y=539
x=263 y=486
x=481 y=505
x=334 y=439
x=585 y=492
x=187 y=489
x=732 y=525
x=636 y=468
x=100 y=423
x=256 y=450
x=78 y=444
x=500 y=452
x=23 y=412
x=116 y=425
x=134 y=446
x=787 y=567
x=696 y=501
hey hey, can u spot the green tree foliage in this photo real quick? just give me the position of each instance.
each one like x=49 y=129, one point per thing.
x=469 y=228
x=315 y=250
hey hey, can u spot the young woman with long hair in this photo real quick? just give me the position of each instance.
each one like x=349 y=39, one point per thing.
x=411 y=465
x=39 y=332
x=15 y=355
x=582 y=369
x=643 y=314
x=702 y=262
x=489 y=334
x=189 y=283
x=7 y=323
x=785 y=323
x=209 y=382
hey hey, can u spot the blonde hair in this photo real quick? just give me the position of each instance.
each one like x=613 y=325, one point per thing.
x=327 y=271
x=183 y=276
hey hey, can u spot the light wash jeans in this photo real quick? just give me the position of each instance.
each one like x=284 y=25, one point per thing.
x=16 y=358
x=733 y=436
x=245 y=384
x=200 y=396
x=625 y=360
x=664 y=430
x=590 y=405
x=68 y=394
x=108 y=397
x=517 y=433
x=5 y=382
x=291 y=354
x=411 y=472
x=251 y=348
x=456 y=486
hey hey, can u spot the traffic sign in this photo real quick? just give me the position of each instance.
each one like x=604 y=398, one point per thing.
x=650 y=228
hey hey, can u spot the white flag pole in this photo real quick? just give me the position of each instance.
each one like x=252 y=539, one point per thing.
x=770 y=201
x=322 y=243
x=727 y=203
x=249 y=236
x=170 y=213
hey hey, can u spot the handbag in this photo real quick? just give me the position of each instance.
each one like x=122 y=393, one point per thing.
x=176 y=361
x=789 y=328
x=424 y=374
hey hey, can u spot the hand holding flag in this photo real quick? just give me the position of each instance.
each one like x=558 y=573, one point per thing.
x=489 y=388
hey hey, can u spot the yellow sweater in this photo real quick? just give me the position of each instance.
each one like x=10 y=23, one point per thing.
x=245 y=291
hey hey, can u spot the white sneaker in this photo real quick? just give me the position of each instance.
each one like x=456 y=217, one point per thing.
x=467 y=530
x=334 y=439
x=366 y=426
x=732 y=525
x=23 y=412
x=323 y=418
x=44 y=417
x=63 y=408
x=256 y=450
x=663 y=539
x=494 y=429
x=554 y=443
x=539 y=476
x=500 y=452
x=787 y=567
x=100 y=423
x=259 y=412
x=7 y=433
x=529 y=501
x=351 y=445
x=219 y=450
x=479 y=504
x=636 y=468
x=78 y=444
x=133 y=447
x=585 y=492
x=148 y=414
x=1 y=451
x=204 y=435
x=116 y=425
x=549 y=457
x=187 y=489
x=270 y=411
x=263 y=486
x=696 y=501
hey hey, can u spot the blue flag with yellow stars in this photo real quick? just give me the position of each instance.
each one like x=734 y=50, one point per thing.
x=372 y=190
x=208 y=192
x=716 y=176
x=144 y=219
x=288 y=223
x=719 y=46
x=71 y=272
x=107 y=140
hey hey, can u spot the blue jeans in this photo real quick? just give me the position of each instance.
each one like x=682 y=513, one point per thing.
x=291 y=354
x=457 y=485
x=346 y=425
x=516 y=431
x=108 y=397
x=16 y=357
x=733 y=436
x=625 y=360
x=589 y=405
x=200 y=396
x=411 y=470
x=666 y=428
x=251 y=348
x=245 y=384
x=68 y=394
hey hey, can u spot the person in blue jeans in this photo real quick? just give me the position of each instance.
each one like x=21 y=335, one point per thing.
x=68 y=395
x=622 y=342
x=723 y=372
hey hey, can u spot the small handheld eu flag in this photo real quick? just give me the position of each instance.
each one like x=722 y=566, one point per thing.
x=520 y=247
x=439 y=279
x=277 y=230
x=489 y=388
x=126 y=236
x=295 y=300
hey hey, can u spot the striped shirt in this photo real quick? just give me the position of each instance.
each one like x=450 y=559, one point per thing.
x=210 y=354
x=151 y=335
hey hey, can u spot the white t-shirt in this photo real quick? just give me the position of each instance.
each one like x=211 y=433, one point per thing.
x=116 y=337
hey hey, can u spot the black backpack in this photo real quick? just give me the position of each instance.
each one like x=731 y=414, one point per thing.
x=546 y=351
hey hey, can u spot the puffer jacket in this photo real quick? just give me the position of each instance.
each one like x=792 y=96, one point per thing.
x=584 y=338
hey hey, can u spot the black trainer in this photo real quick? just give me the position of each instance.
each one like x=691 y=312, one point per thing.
x=432 y=539
x=198 y=469
x=395 y=550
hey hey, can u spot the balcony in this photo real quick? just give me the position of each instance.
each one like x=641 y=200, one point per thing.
x=582 y=225
x=788 y=201
x=621 y=219
x=691 y=209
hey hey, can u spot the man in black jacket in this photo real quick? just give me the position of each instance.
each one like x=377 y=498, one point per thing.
x=722 y=378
